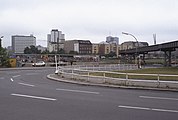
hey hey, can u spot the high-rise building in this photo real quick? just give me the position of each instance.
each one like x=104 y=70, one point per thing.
x=112 y=40
x=20 y=42
x=55 y=40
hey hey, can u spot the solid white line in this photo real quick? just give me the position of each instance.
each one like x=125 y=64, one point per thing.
x=150 y=109
x=36 y=97
x=78 y=91
x=16 y=76
x=26 y=84
x=161 y=98
x=12 y=80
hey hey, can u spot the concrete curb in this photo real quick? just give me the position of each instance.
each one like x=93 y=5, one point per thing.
x=57 y=78
x=25 y=68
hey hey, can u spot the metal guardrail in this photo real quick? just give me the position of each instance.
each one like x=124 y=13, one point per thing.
x=85 y=73
x=110 y=67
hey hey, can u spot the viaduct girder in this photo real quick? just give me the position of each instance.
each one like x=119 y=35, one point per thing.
x=167 y=48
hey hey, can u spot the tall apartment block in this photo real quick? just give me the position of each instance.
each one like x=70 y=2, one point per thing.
x=55 y=40
x=112 y=40
x=20 y=42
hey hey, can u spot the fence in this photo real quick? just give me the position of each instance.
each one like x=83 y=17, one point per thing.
x=103 y=75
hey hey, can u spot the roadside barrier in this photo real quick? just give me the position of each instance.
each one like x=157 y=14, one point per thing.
x=103 y=75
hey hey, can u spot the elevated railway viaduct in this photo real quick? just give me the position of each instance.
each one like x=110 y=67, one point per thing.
x=167 y=48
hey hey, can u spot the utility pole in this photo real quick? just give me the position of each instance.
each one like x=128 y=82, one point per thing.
x=58 y=45
x=137 y=56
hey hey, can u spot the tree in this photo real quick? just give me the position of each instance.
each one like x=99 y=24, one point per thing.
x=111 y=54
x=4 y=59
x=32 y=50
x=45 y=52
x=73 y=52
x=61 y=51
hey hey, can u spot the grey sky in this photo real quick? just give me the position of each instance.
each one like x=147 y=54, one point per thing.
x=90 y=19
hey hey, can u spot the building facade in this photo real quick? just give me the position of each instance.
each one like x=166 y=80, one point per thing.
x=41 y=48
x=55 y=40
x=80 y=46
x=20 y=42
x=95 y=49
x=112 y=40
x=131 y=45
x=105 y=48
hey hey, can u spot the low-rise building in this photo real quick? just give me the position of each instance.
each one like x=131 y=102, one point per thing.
x=95 y=48
x=132 y=44
x=41 y=48
x=80 y=46
x=105 y=48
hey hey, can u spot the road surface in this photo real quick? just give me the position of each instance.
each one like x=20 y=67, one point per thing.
x=29 y=95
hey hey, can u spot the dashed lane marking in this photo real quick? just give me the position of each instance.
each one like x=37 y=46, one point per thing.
x=16 y=76
x=77 y=91
x=34 y=97
x=12 y=80
x=149 y=109
x=160 y=98
x=25 y=84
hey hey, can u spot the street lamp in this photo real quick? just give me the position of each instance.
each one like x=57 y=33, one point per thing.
x=0 y=41
x=136 y=48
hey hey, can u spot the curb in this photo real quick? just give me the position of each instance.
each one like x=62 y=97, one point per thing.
x=106 y=85
x=25 y=68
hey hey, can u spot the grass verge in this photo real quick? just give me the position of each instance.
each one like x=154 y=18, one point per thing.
x=155 y=71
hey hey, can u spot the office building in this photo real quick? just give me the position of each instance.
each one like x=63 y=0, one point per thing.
x=20 y=42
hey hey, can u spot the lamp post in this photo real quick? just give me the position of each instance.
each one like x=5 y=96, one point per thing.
x=1 y=41
x=1 y=56
x=137 y=61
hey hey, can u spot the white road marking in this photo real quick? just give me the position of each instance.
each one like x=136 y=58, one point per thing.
x=150 y=109
x=161 y=98
x=16 y=76
x=78 y=91
x=35 y=97
x=132 y=107
x=12 y=80
x=162 y=110
x=26 y=84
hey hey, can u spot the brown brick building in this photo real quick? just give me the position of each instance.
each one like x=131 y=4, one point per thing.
x=82 y=47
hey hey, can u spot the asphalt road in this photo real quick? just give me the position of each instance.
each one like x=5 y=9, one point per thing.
x=29 y=95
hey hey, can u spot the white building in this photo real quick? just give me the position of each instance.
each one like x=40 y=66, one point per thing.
x=55 y=40
x=20 y=42
x=41 y=48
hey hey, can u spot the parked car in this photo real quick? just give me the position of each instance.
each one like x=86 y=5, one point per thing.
x=39 y=64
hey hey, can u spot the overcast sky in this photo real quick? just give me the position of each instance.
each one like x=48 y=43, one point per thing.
x=90 y=19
